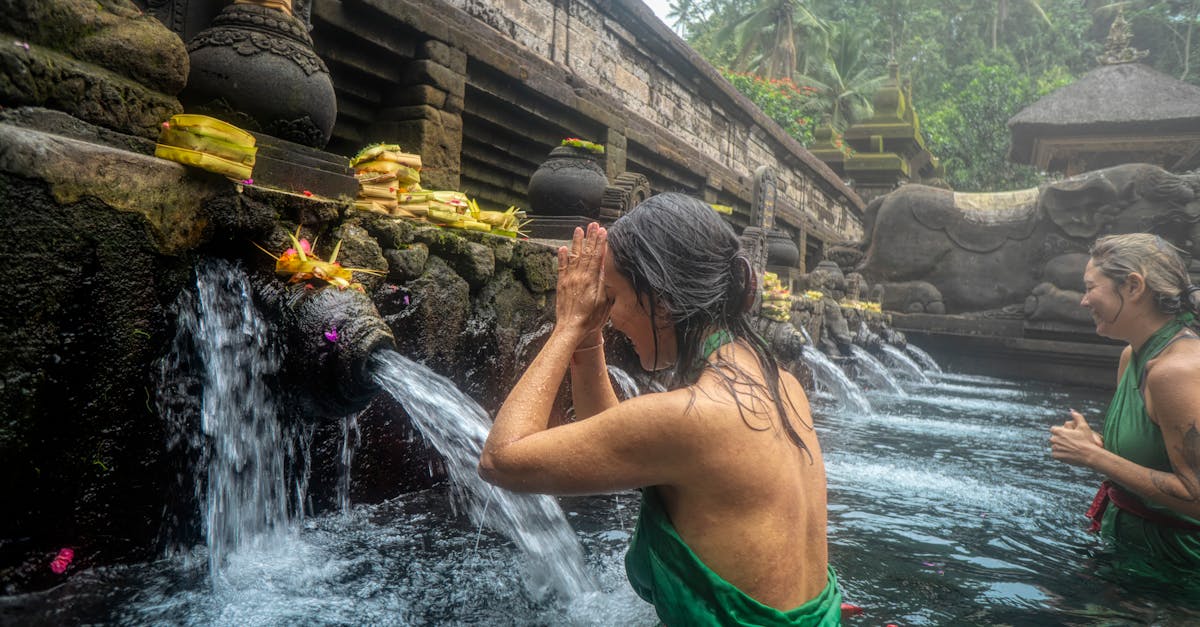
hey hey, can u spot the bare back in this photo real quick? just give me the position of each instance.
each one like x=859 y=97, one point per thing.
x=754 y=506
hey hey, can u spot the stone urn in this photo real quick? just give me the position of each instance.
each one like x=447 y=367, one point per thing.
x=569 y=183
x=255 y=67
x=781 y=250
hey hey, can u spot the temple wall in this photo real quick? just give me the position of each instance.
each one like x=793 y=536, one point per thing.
x=485 y=88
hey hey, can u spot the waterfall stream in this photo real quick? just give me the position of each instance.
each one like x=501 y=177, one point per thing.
x=457 y=427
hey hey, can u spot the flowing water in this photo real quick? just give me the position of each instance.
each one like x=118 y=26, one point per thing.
x=832 y=380
x=925 y=359
x=624 y=383
x=875 y=372
x=945 y=508
x=904 y=363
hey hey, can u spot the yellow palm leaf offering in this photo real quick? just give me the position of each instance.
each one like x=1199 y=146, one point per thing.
x=776 y=299
x=385 y=174
x=301 y=263
x=207 y=143
x=814 y=295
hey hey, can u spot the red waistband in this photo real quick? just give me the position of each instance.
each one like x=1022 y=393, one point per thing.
x=1111 y=492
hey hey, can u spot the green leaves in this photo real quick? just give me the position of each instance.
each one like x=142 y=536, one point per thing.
x=790 y=105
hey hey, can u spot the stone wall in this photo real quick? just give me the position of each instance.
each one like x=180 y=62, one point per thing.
x=485 y=88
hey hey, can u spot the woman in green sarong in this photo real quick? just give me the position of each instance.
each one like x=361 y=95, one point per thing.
x=732 y=525
x=1139 y=292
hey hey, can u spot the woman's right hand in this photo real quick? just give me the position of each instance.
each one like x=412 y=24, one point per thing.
x=1075 y=442
x=581 y=306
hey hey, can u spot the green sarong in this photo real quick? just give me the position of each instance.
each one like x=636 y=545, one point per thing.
x=664 y=571
x=1129 y=432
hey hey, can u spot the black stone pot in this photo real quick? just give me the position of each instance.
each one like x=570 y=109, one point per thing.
x=255 y=67
x=781 y=250
x=569 y=183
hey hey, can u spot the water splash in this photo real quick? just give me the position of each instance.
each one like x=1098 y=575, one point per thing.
x=924 y=358
x=457 y=427
x=876 y=372
x=831 y=378
x=625 y=383
x=897 y=358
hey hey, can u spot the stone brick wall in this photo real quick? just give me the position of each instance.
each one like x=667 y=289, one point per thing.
x=488 y=87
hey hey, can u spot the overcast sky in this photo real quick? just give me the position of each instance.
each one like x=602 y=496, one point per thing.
x=660 y=8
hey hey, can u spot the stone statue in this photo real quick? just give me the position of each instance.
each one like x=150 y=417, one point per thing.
x=938 y=251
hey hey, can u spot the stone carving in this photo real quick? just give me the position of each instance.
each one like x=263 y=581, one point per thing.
x=1052 y=304
x=258 y=63
x=983 y=252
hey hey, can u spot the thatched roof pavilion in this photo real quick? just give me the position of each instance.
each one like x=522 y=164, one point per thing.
x=1120 y=112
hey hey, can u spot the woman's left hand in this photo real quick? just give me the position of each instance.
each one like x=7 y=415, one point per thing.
x=581 y=304
x=1074 y=442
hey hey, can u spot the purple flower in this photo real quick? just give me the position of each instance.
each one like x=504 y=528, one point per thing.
x=406 y=300
x=247 y=181
x=21 y=44
x=332 y=334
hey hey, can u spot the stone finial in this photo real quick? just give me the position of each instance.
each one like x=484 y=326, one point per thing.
x=1116 y=48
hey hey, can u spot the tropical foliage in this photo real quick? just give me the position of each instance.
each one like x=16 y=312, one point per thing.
x=972 y=65
x=782 y=100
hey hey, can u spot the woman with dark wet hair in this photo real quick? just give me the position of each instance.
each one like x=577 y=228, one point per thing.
x=1138 y=291
x=732 y=526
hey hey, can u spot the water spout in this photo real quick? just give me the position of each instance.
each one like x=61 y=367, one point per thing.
x=924 y=358
x=457 y=427
x=905 y=364
x=330 y=335
x=876 y=372
x=832 y=379
x=244 y=456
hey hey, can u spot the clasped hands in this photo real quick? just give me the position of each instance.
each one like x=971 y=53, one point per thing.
x=581 y=305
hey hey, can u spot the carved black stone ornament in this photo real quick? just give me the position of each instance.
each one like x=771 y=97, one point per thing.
x=255 y=67
x=569 y=183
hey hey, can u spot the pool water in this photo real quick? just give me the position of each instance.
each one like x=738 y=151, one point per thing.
x=945 y=508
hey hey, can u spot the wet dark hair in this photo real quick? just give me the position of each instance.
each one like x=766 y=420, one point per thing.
x=679 y=253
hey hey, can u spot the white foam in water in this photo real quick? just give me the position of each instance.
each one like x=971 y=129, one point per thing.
x=457 y=427
x=933 y=483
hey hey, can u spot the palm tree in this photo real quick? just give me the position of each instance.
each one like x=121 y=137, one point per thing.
x=1001 y=15
x=844 y=76
x=765 y=37
x=682 y=14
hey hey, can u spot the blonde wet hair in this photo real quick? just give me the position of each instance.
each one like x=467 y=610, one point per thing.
x=1117 y=256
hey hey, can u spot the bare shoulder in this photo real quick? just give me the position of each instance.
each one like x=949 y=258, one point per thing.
x=1126 y=355
x=1173 y=384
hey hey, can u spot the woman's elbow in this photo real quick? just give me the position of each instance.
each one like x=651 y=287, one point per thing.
x=496 y=470
x=487 y=468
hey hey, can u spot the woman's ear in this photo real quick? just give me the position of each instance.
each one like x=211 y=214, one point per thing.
x=1135 y=283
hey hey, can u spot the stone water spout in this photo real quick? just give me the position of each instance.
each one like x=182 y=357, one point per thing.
x=330 y=336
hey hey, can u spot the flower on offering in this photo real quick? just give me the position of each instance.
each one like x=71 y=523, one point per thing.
x=584 y=144
x=814 y=295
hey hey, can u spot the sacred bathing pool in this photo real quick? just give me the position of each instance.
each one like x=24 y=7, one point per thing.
x=187 y=437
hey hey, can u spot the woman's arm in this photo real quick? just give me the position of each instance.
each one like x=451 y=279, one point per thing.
x=591 y=389
x=1175 y=398
x=581 y=308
